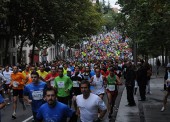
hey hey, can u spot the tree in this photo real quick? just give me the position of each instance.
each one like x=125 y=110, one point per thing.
x=145 y=22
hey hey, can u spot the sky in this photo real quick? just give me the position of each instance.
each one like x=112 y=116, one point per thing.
x=112 y=3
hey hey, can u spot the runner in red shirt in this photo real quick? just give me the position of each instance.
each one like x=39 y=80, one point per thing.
x=51 y=76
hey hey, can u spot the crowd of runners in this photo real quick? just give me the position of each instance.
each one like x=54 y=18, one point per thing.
x=75 y=89
x=68 y=81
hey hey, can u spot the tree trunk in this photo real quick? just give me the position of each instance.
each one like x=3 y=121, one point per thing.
x=6 y=50
x=166 y=56
x=162 y=49
x=32 y=53
x=20 y=50
x=146 y=58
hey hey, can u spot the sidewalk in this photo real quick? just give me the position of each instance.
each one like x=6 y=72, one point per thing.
x=125 y=113
x=149 y=110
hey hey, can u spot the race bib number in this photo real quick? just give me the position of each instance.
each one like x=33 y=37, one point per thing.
x=52 y=83
x=111 y=87
x=37 y=95
x=15 y=84
x=60 y=84
x=75 y=84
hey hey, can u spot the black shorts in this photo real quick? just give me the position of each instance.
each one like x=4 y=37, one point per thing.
x=6 y=87
x=63 y=99
x=18 y=92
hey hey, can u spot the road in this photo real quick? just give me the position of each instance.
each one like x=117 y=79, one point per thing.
x=25 y=116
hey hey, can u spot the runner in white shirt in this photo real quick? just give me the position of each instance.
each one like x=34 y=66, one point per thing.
x=89 y=112
x=98 y=81
x=7 y=74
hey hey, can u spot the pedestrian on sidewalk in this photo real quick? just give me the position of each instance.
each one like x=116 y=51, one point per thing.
x=142 y=80
x=149 y=74
x=158 y=64
x=130 y=83
x=167 y=81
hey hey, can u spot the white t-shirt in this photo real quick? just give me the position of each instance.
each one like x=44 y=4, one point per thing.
x=89 y=107
x=99 y=87
x=7 y=75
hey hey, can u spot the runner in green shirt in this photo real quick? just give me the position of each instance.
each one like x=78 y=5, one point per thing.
x=63 y=84
x=112 y=91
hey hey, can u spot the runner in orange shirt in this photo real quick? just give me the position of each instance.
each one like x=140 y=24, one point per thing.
x=17 y=83
x=27 y=73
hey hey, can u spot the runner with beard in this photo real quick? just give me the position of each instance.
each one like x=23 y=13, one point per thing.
x=53 y=110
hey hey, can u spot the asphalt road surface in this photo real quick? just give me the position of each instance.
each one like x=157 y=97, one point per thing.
x=26 y=115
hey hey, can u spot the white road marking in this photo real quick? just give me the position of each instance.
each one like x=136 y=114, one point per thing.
x=28 y=119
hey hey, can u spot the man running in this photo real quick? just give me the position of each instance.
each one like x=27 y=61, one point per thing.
x=17 y=84
x=53 y=111
x=98 y=81
x=42 y=73
x=89 y=105
x=112 y=90
x=76 y=78
x=34 y=93
x=51 y=76
x=63 y=84
x=7 y=74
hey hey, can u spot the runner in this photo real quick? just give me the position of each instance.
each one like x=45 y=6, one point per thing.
x=42 y=73
x=98 y=81
x=167 y=80
x=76 y=78
x=34 y=93
x=86 y=74
x=89 y=105
x=53 y=111
x=27 y=73
x=65 y=69
x=2 y=82
x=112 y=90
x=17 y=84
x=7 y=74
x=51 y=76
x=63 y=84
x=2 y=104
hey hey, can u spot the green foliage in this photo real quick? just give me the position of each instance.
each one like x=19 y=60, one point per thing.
x=146 y=22
x=110 y=20
x=72 y=19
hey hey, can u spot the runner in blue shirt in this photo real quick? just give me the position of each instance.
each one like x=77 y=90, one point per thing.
x=53 y=111
x=34 y=93
x=2 y=104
